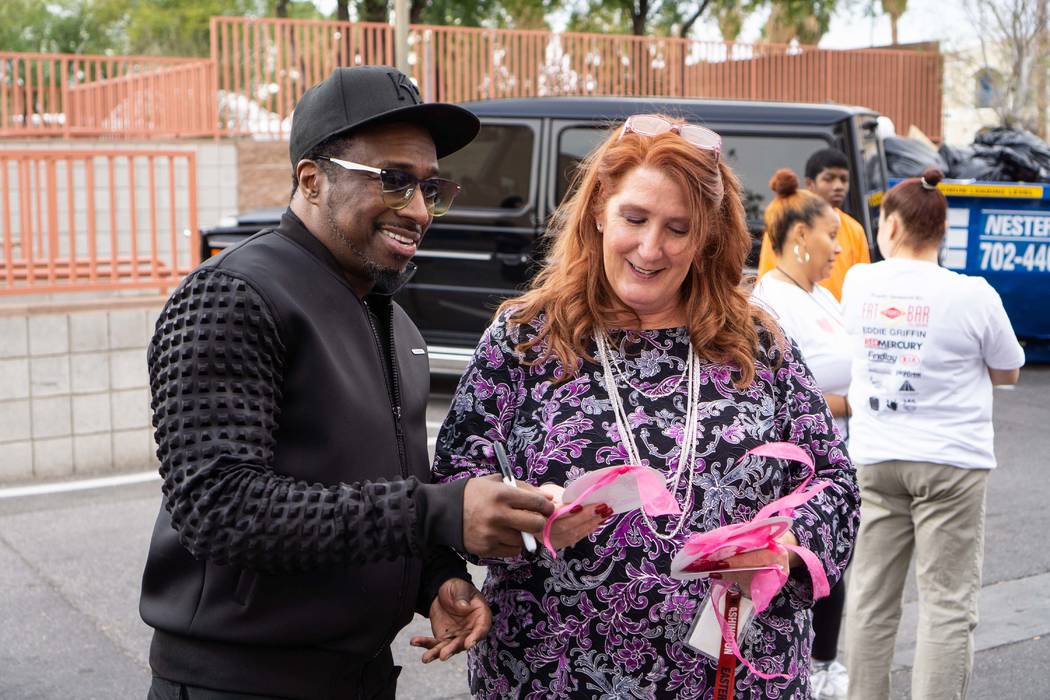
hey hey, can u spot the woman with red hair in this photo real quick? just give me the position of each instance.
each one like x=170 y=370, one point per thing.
x=636 y=344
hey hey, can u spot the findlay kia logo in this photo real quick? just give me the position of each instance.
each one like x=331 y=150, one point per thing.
x=883 y=358
x=910 y=359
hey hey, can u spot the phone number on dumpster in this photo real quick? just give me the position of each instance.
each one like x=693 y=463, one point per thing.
x=1014 y=257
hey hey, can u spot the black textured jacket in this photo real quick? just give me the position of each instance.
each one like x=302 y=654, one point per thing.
x=298 y=530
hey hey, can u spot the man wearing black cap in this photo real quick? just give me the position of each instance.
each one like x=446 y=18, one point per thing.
x=298 y=530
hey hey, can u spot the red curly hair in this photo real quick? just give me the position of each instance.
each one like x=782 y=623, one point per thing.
x=574 y=293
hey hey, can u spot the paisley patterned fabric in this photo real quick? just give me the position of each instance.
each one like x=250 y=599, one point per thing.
x=605 y=619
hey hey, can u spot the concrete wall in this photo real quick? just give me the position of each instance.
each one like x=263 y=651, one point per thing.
x=74 y=393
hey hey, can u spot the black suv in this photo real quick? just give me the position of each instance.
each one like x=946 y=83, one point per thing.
x=518 y=169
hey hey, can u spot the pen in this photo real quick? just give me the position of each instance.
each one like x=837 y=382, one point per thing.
x=509 y=480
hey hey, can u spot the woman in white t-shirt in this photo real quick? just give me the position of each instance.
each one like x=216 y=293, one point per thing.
x=927 y=344
x=802 y=228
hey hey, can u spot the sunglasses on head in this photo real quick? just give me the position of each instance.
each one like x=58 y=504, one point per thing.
x=399 y=187
x=654 y=125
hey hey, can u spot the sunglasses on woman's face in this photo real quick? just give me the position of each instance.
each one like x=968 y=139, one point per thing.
x=653 y=125
x=399 y=187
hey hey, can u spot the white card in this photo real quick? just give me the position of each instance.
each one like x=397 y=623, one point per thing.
x=705 y=636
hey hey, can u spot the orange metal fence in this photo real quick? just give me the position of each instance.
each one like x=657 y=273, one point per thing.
x=125 y=96
x=89 y=220
x=264 y=65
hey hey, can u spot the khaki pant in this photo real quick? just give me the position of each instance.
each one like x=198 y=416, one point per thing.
x=938 y=511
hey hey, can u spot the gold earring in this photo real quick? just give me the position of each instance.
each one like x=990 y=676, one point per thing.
x=798 y=256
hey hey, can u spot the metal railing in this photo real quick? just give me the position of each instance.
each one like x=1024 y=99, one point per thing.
x=264 y=65
x=91 y=220
x=126 y=96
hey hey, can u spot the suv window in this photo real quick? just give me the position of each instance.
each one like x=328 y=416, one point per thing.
x=495 y=170
x=753 y=157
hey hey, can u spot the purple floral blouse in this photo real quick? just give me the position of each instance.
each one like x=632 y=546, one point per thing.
x=605 y=619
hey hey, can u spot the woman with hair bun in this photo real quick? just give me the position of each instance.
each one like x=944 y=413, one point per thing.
x=928 y=345
x=803 y=230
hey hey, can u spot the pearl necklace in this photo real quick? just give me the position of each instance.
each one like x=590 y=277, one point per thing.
x=688 y=449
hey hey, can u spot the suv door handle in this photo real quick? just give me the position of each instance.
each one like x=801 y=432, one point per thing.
x=511 y=259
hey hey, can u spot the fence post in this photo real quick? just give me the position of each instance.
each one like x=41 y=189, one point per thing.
x=68 y=109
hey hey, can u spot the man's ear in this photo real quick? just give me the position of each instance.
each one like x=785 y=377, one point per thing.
x=810 y=183
x=311 y=179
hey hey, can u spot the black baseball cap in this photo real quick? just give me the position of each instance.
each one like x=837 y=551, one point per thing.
x=351 y=98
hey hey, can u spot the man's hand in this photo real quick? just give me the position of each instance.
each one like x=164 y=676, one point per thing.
x=459 y=619
x=495 y=515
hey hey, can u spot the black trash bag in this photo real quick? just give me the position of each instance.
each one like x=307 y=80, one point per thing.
x=956 y=158
x=986 y=164
x=1023 y=155
x=909 y=158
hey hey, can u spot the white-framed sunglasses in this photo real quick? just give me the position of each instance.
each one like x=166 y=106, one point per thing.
x=654 y=125
x=399 y=186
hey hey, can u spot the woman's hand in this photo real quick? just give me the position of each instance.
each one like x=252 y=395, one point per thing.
x=761 y=557
x=578 y=523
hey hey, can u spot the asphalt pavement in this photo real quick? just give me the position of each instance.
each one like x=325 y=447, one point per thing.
x=71 y=562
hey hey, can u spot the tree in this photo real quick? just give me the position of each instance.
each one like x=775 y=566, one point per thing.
x=803 y=20
x=894 y=8
x=730 y=20
x=1014 y=34
x=806 y=20
x=62 y=26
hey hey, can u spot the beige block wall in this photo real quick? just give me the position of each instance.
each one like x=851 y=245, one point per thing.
x=74 y=397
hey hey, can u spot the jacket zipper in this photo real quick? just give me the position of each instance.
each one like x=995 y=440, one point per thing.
x=393 y=384
x=393 y=387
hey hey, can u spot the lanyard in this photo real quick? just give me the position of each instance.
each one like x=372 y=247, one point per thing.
x=725 y=677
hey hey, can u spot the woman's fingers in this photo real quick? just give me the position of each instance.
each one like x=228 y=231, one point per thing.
x=575 y=525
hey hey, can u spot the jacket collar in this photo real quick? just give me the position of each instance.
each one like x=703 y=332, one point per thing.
x=292 y=227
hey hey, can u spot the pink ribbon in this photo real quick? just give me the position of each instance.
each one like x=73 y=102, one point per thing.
x=655 y=498
x=726 y=541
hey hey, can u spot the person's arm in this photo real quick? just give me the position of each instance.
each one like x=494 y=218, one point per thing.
x=862 y=253
x=1000 y=351
x=827 y=524
x=1004 y=377
x=216 y=372
x=484 y=410
x=838 y=405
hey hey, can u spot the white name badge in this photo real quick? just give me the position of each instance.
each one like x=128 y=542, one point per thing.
x=705 y=636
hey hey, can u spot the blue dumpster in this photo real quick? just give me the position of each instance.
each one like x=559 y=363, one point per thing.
x=1001 y=231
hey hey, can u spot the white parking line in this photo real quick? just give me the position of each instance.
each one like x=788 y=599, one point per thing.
x=122 y=480
x=81 y=485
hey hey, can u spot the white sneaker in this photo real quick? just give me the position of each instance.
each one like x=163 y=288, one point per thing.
x=828 y=681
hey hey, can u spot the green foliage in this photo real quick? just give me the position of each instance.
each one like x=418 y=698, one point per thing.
x=804 y=20
x=61 y=26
